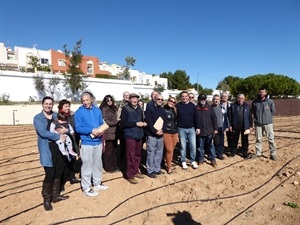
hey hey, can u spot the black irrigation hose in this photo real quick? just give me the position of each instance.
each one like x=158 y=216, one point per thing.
x=180 y=202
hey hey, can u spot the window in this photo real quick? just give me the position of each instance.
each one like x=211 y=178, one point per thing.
x=44 y=61
x=61 y=62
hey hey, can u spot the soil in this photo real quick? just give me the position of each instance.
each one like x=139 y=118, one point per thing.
x=237 y=191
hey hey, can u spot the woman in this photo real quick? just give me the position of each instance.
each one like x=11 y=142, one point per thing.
x=50 y=156
x=70 y=168
x=109 y=113
x=170 y=132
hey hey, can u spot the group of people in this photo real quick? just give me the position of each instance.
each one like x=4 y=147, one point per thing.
x=65 y=138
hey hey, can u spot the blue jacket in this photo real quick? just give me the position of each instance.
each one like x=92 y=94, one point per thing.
x=129 y=117
x=44 y=136
x=85 y=121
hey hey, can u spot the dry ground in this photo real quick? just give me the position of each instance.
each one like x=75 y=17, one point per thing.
x=238 y=191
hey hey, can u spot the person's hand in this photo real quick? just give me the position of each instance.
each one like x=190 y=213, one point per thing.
x=215 y=131
x=198 y=131
x=251 y=129
x=226 y=130
x=230 y=128
x=145 y=124
x=62 y=130
x=63 y=137
x=140 y=124
x=95 y=132
x=159 y=132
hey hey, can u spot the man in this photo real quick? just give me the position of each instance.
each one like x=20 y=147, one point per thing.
x=132 y=123
x=121 y=152
x=207 y=126
x=192 y=98
x=88 y=118
x=153 y=94
x=225 y=104
x=155 y=144
x=186 y=114
x=222 y=127
x=263 y=110
x=240 y=119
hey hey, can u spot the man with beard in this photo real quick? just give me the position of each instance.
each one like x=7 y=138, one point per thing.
x=263 y=110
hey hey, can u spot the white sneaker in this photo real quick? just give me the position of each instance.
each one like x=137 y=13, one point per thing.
x=90 y=193
x=100 y=187
x=194 y=165
x=184 y=166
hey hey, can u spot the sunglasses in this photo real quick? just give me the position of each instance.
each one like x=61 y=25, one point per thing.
x=172 y=101
x=191 y=97
x=159 y=99
x=108 y=100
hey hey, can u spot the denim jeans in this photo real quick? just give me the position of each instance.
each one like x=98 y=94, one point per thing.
x=187 y=134
x=155 y=148
x=206 y=141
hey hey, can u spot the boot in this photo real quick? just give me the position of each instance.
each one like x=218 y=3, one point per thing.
x=47 y=194
x=56 y=197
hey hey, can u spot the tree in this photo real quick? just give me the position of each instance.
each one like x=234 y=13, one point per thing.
x=181 y=80
x=74 y=79
x=225 y=84
x=125 y=75
x=34 y=62
x=159 y=88
x=44 y=88
x=278 y=86
x=198 y=88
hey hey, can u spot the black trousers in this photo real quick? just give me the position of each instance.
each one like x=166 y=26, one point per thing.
x=110 y=155
x=56 y=171
x=235 y=139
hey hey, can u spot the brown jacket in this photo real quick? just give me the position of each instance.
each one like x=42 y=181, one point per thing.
x=110 y=117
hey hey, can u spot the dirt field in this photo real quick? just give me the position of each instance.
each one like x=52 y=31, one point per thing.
x=237 y=191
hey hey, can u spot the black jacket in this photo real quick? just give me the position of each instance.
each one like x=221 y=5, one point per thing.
x=207 y=120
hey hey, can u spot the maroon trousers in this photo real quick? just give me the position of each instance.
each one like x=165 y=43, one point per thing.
x=133 y=157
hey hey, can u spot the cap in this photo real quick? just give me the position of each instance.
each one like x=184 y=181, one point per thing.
x=132 y=95
x=202 y=97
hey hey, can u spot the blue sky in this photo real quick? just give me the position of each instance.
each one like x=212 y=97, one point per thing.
x=209 y=39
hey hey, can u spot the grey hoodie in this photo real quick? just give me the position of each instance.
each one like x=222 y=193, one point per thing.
x=263 y=111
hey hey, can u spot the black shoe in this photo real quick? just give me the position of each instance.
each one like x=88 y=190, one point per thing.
x=152 y=175
x=159 y=172
x=232 y=155
x=74 y=181
x=245 y=155
x=273 y=157
x=221 y=157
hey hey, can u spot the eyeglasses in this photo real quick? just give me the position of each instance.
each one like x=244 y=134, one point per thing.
x=172 y=101
x=108 y=100
x=159 y=99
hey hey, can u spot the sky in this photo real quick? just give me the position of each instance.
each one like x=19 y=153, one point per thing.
x=209 y=39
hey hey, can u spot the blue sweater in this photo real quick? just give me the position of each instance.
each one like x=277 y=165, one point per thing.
x=85 y=121
x=44 y=136
x=186 y=115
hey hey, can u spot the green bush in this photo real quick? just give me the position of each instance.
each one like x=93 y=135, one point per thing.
x=106 y=76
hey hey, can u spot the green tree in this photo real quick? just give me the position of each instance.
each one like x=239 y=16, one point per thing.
x=75 y=80
x=207 y=91
x=34 y=62
x=278 y=86
x=180 y=80
x=159 y=88
x=225 y=84
x=198 y=87
x=125 y=75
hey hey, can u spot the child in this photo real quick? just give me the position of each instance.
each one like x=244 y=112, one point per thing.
x=60 y=122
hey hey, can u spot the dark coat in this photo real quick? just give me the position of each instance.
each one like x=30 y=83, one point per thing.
x=247 y=116
x=207 y=120
x=110 y=118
